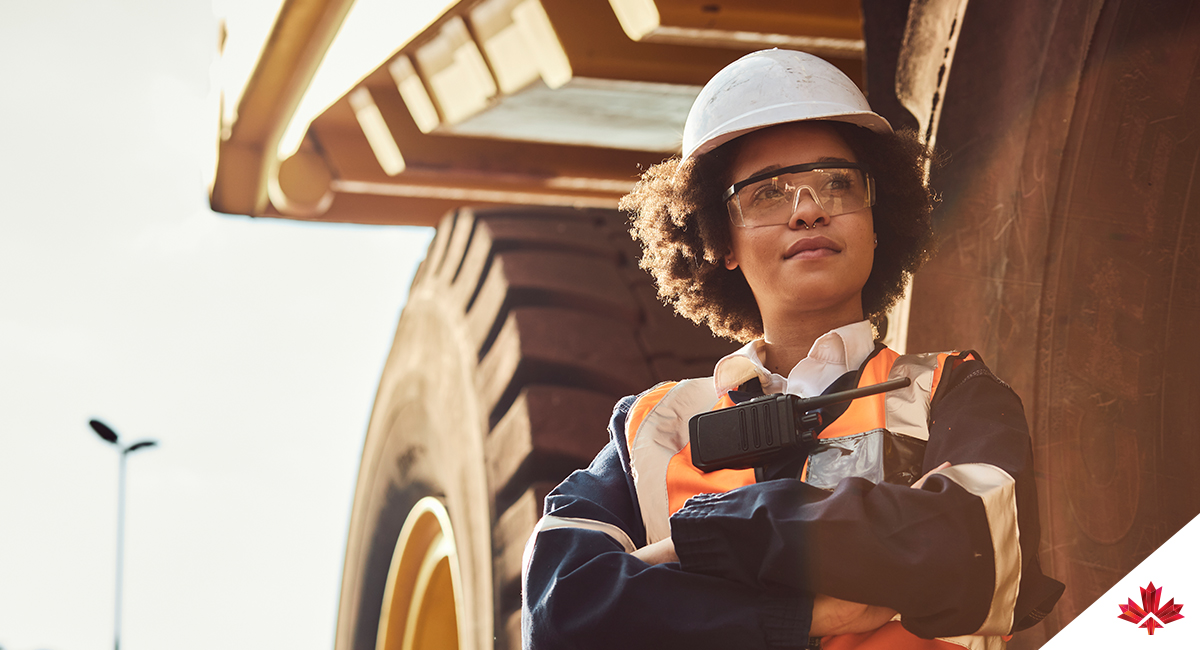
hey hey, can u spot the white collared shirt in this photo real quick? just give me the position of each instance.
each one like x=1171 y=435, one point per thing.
x=833 y=354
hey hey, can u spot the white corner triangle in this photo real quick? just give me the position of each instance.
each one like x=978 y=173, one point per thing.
x=1175 y=568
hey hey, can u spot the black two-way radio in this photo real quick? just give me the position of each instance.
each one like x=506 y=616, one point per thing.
x=752 y=433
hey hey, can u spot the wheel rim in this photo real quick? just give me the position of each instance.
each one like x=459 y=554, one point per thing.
x=421 y=601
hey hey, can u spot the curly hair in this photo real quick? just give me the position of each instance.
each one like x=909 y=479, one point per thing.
x=683 y=227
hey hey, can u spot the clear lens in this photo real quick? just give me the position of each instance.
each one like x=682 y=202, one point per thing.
x=773 y=201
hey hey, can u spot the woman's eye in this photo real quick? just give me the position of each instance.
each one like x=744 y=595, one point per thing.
x=839 y=183
x=767 y=193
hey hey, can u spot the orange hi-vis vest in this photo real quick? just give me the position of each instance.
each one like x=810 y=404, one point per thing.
x=665 y=478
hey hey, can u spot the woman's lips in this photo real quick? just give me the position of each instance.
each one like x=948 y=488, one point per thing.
x=811 y=248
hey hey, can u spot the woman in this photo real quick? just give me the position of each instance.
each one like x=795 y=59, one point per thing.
x=792 y=221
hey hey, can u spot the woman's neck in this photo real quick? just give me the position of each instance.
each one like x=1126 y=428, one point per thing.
x=788 y=339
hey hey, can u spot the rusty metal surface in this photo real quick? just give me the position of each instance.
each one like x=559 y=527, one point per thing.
x=883 y=33
x=1116 y=378
x=1071 y=260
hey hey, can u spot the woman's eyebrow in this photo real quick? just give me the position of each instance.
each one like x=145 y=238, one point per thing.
x=768 y=168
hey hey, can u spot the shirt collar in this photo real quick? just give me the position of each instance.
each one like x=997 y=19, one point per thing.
x=846 y=348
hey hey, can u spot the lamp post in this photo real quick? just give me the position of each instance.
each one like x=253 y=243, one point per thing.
x=110 y=436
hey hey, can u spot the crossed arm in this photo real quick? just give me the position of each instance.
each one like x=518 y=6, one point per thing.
x=743 y=566
x=830 y=616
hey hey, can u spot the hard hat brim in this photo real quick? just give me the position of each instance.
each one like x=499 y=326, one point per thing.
x=783 y=114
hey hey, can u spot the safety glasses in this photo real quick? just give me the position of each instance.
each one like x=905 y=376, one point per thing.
x=771 y=198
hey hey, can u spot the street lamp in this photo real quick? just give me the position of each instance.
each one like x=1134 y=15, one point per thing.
x=109 y=435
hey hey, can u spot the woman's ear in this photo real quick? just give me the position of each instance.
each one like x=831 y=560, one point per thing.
x=730 y=262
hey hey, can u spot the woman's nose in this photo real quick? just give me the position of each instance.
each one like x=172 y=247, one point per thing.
x=807 y=211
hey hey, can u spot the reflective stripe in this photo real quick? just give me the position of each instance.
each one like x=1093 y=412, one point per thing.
x=907 y=409
x=666 y=426
x=550 y=522
x=642 y=407
x=878 y=456
x=998 y=492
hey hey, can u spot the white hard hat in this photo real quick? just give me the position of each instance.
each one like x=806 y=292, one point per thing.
x=772 y=87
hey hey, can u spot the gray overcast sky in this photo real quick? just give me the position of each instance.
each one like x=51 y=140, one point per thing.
x=249 y=348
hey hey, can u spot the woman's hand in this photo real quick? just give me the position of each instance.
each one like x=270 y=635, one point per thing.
x=659 y=552
x=836 y=616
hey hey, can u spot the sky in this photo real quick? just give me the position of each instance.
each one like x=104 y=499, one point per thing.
x=250 y=349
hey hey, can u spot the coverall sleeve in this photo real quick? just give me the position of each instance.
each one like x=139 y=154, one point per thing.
x=958 y=556
x=583 y=589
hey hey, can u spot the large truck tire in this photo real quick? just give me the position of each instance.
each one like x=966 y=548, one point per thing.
x=1070 y=219
x=522 y=329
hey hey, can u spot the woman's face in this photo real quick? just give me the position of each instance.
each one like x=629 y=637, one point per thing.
x=791 y=268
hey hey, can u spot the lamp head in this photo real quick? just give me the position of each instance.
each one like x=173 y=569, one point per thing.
x=103 y=431
x=143 y=444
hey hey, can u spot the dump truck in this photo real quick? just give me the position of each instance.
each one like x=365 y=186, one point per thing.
x=1069 y=255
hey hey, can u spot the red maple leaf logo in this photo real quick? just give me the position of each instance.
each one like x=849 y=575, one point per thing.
x=1150 y=615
